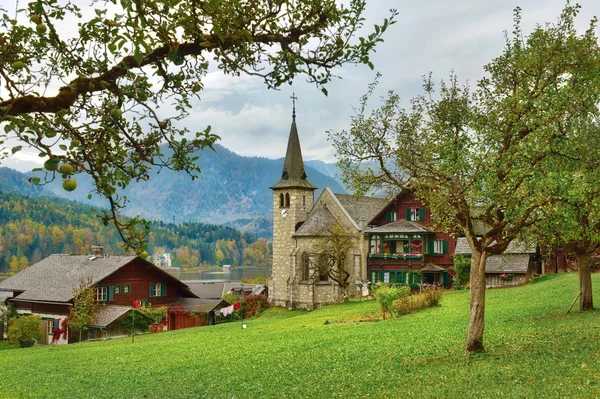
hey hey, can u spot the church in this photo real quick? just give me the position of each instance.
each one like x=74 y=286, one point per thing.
x=387 y=247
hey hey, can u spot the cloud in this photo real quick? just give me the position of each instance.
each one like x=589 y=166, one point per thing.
x=434 y=35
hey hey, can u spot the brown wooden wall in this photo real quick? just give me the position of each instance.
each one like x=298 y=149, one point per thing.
x=402 y=203
x=139 y=275
x=178 y=321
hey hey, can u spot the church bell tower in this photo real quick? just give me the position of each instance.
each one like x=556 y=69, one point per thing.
x=293 y=197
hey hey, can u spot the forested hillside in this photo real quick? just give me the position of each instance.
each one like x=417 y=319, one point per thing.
x=32 y=228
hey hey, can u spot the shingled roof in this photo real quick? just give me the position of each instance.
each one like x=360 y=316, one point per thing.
x=293 y=174
x=53 y=278
x=317 y=223
x=106 y=314
x=401 y=226
x=515 y=247
x=507 y=264
x=361 y=208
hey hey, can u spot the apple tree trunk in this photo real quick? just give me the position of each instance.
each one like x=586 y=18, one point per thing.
x=586 y=301
x=477 y=304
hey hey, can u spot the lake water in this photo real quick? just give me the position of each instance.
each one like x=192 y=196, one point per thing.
x=235 y=274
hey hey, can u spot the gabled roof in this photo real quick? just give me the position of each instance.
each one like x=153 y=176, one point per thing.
x=203 y=305
x=361 y=208
x=507 y=264
x=207 y=290
x=53 y=278
x=515 y=247
x=317 y=223
x=401 y=226
x=106 y=314
x=293 y=174
x=431 y=267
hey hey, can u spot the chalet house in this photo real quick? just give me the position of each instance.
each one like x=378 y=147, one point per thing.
x=46 y=289
x=515 y=266
x=403 y=249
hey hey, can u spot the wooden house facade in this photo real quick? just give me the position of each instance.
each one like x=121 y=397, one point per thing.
x=46 y=289
x=403 y=249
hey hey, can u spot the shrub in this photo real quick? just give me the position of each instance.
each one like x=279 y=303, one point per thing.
x=386 y=295
x=24 y=331
x=254 y=305
x=410 y=304
x=462 y=268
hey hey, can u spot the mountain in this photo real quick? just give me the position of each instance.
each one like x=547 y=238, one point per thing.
x=230 y=187
x=14 y=182
x=328 y=169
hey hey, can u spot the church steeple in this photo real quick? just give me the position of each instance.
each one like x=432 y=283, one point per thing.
x=293 y=174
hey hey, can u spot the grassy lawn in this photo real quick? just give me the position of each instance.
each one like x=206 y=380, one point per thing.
x=5 y=345
x=534 y=350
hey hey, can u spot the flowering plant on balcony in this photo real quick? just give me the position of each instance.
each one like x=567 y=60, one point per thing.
x=506 y=276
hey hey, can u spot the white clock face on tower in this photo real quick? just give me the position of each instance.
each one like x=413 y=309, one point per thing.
x=284 y=213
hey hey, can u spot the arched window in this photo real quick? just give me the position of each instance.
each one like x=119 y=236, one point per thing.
x=287 y=200
x=281 y=203
x=323 y=267
x=305 y=265
x=304 y=200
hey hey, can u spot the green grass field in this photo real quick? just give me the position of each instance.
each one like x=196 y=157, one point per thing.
x=534 y=349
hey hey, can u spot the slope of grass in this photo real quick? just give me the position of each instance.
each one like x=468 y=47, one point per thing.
x=534 y=350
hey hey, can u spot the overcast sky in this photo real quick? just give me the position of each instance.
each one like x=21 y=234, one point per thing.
x=429 y=35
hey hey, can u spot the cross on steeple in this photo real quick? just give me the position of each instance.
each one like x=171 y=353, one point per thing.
x=294 y=98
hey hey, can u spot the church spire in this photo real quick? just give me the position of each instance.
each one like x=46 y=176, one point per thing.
x=293 y=174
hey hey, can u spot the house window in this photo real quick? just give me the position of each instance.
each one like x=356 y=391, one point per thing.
x=117 y=289
x=375 y=276
x=126 y=288
x=142 y=302
x=375 y=244
x=102 y=294
x=157 y=290
x=439 y=247
x=414 y=247
x=391 y=216
x=414 y=214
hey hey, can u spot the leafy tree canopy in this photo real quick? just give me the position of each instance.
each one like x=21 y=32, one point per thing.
x=480 y=159
x=90 y=102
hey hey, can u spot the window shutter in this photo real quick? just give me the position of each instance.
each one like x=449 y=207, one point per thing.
x=421 y=214
x=163 y=289
x=446 y=278
x=445 y=246
x=151 y=290
x=111 y=293
x=408 y=214
x=430 y=247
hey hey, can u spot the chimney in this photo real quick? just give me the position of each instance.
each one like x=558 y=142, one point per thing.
x=361 y=224
x=97 y=249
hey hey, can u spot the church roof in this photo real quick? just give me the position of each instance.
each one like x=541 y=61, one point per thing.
x=293 y=174
x=361 y=208
x=317 y=223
